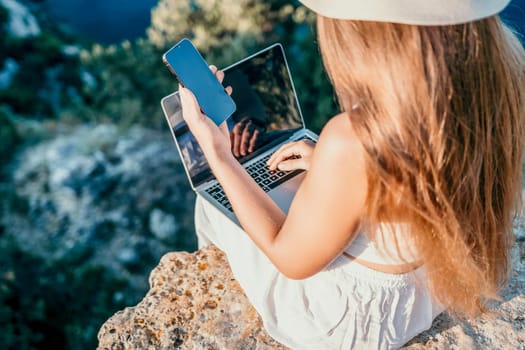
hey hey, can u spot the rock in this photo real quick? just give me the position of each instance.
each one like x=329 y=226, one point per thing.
x=8 y=72
x=88 y=79
x=22 y=23
x=71 y=50
x=162 y=225
x=97 y=194
x=504 y=329
x=128 y=256
x=195 y=303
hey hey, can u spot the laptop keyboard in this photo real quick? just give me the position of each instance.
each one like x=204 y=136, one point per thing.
x=267 y=179
x=217 y=192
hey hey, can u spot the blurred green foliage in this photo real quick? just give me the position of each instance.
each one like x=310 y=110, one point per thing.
x=4 y=16
x=9 y=138
x=61 y=304
x=123 y=83
x=48 y=305
x=37 y=57
x=131 y=78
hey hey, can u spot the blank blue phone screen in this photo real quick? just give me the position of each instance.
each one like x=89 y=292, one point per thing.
x=193 y=72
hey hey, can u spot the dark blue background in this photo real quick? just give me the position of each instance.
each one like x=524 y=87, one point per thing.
x=514 y=16
x=111 y=21
x=105 y=21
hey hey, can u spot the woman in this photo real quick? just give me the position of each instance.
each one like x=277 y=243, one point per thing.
x=407 y=203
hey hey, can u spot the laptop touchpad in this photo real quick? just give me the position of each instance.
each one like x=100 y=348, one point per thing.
x=284 y=193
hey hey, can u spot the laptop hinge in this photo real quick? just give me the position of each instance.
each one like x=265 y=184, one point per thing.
x=206 y=184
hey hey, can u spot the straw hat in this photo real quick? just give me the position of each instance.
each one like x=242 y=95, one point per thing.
x=420 y=12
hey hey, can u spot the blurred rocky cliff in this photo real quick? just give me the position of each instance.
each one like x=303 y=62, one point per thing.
x=84 y=218
x=92 y=193
x=118 y=197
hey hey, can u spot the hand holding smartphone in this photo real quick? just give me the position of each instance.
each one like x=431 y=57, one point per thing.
x=192 y=72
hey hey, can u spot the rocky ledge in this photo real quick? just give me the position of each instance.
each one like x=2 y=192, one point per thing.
x=195 y=303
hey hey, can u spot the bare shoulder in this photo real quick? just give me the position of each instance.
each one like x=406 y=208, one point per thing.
x=339 y=139
x=340 y=154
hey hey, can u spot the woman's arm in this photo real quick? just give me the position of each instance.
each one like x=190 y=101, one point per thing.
x=323 y=215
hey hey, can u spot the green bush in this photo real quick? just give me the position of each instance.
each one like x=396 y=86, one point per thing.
x=9 y=137
x=132 y=79
x=47 y=305
x=43 y=70
x=4 y=16
x=24 y=100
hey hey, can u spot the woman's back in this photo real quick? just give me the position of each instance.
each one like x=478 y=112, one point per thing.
x=440 y=118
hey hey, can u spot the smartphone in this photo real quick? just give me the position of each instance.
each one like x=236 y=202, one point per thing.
x=192 y=71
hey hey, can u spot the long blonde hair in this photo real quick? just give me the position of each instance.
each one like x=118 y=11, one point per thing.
x=441 y=118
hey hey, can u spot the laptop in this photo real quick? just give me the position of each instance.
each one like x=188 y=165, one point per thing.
x=267 y=116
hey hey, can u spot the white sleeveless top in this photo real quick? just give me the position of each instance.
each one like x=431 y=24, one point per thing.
x=384 y=251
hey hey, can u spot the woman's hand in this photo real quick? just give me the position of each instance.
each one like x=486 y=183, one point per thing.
x=292 y=156
x=212 y=139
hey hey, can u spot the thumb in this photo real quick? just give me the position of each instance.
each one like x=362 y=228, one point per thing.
x=191 y=111
x=188 y=99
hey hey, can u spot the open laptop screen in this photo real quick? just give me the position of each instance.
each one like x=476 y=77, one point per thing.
x=267 y=111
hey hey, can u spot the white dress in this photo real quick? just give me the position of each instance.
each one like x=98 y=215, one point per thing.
x=345 y=306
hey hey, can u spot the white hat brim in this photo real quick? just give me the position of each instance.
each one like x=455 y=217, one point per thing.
x=419 y=12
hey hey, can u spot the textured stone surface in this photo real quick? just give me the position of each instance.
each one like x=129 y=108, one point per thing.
x=194 y=303
x=503 y=329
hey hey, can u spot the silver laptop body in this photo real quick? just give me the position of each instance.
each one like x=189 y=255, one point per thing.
x=268 y=115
